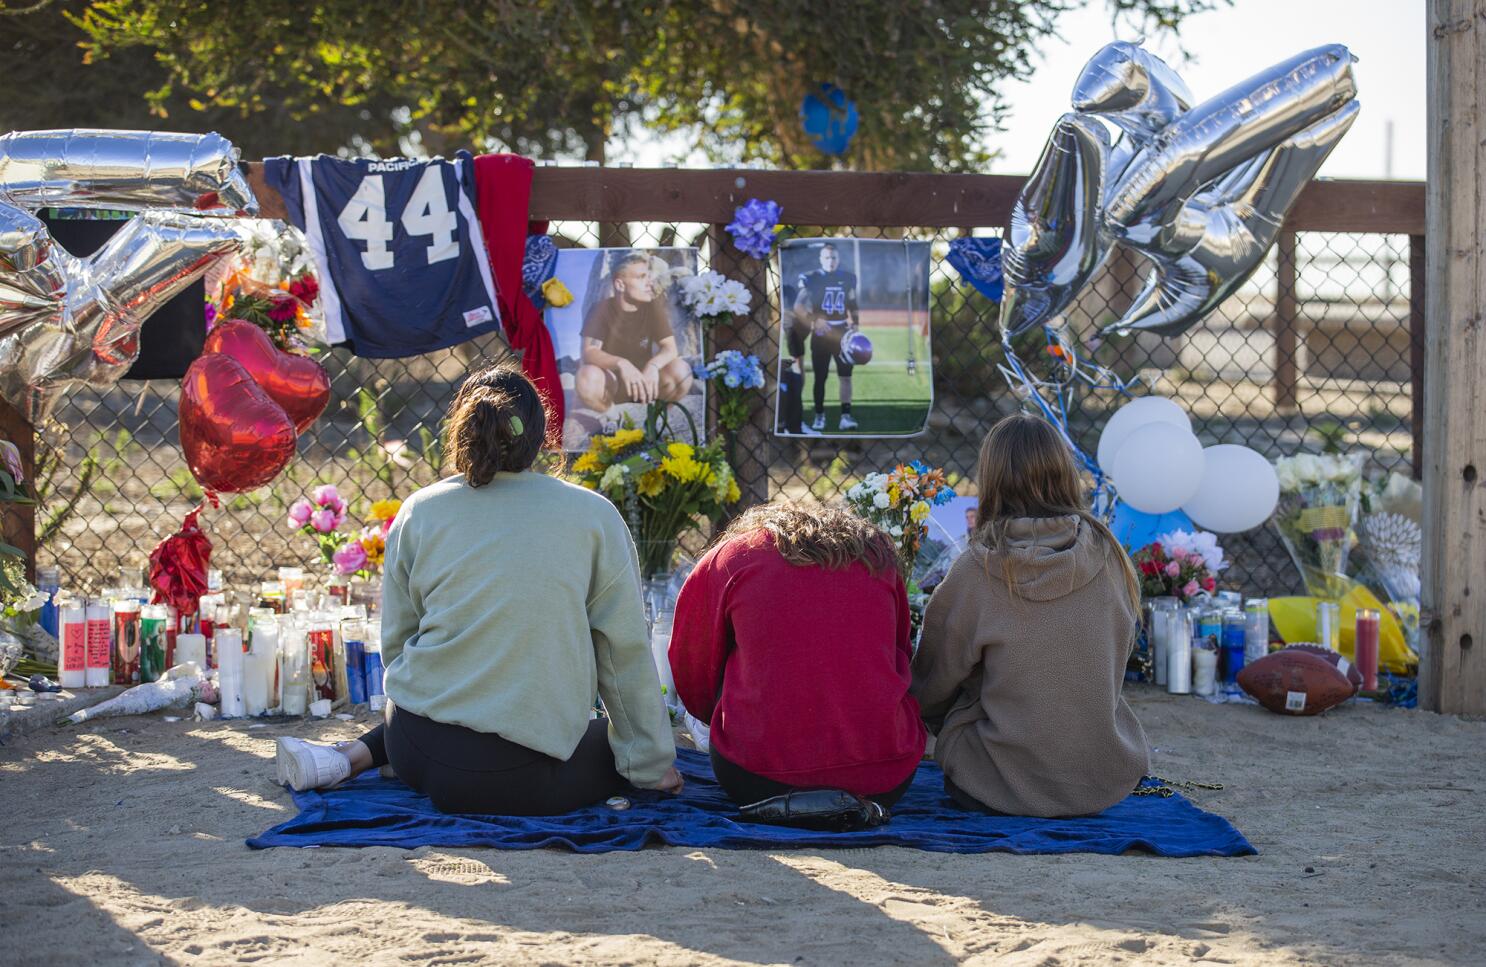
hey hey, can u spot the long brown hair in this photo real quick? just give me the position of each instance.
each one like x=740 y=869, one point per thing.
x=831 y=538
x=496 y=423
x=1026 y=470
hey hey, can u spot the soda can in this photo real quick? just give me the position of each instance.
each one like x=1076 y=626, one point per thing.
x=1235 y=641
x=1256 y=629
x=126 y=641
x=152 y=620
x=322 y=662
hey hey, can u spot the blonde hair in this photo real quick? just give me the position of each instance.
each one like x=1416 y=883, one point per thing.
x=825 y=536
x=1026 y=470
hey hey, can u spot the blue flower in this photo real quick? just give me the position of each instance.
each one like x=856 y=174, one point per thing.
x=943 y=497
x=731 y=380
x=919 y=466
x=754 y=226
x=699 y=371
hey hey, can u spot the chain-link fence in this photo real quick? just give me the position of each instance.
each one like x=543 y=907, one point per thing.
x=1313 y=352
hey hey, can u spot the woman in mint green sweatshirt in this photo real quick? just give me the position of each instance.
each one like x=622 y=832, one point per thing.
x=509 y=599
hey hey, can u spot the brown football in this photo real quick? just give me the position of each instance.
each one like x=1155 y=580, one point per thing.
x=1353 y=673
x=1296 y=681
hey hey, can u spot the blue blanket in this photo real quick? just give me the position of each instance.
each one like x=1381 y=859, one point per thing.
x=373 y=811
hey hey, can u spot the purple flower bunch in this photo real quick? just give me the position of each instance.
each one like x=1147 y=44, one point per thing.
x=754 y=226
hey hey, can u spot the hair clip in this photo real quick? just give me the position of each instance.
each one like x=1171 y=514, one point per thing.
x=517 y=427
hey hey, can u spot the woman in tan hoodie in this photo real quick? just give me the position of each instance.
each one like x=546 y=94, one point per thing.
x=1025 y=642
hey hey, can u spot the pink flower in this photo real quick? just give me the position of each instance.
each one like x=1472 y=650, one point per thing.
x=327 y=496
x=324 y=520
x=350 y=558
x=1190 y=589
x=299 y=512
x=1173 y=569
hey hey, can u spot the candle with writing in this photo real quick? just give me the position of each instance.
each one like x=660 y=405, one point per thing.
x=72 y=642
x=152 y=618
x=1369 y=622
x=98 y=616
x=126 y=641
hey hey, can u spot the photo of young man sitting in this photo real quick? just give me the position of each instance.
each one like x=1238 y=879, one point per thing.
x=629 y=349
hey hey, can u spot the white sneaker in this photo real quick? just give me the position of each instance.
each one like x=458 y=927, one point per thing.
x=847 y=423
x=805 y=431
x=819 y=423
x=304 y=765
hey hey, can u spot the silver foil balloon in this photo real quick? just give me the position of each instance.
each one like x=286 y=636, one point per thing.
x=122 y=169
x=1239 y=221
x=85 y=329
x=1144 y=207
x=1052 y=245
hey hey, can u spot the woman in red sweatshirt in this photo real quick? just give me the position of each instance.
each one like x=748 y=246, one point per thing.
x=791 y=639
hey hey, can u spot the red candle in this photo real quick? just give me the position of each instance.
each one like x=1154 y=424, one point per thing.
x=1368 y=624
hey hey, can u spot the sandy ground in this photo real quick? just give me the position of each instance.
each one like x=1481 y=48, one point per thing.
x=122 y=843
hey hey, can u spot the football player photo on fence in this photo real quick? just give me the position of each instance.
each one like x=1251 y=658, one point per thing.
x=626 y=340
x=854 y=339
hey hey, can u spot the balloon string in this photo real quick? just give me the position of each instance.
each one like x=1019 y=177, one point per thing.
x=1056 y=412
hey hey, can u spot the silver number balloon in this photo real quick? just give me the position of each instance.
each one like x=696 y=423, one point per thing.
x=65 y=319
x=1052 y=245
x=122 y=169
x=1201 y=190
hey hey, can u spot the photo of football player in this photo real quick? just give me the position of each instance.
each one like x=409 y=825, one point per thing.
x=854 y=334
x=629 y=349
x=826 y=307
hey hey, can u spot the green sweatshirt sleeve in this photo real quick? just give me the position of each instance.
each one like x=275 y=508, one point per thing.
x=399 y=617
x=639 y=729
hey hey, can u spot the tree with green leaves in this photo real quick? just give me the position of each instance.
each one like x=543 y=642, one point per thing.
x=547 y=77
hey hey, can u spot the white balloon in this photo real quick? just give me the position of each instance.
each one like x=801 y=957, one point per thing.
x=1158 y=468
x=1137 y=413
x=1239 y=490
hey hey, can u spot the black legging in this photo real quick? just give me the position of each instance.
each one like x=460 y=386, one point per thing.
x=823 y=349
x=464 y=771
x=744 y=787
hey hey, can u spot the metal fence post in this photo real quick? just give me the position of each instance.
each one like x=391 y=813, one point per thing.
x=1285 y=375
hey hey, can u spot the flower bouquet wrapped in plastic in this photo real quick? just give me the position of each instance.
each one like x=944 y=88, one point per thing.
x=1317 y=515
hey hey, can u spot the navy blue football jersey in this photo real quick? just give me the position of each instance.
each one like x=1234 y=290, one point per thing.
x=403 y=267
x=831 y=293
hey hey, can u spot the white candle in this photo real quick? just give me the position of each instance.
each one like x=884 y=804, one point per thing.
x=99 y=617
x=1204 y=671
x=229 y=644
x=1179 y=654
x=189 y=647
x=72 y=647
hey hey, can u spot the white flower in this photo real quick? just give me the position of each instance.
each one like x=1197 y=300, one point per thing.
x=612 y=477
x=880 y=500
x=896 y=531
x=1201 y=543
x=1284 y=469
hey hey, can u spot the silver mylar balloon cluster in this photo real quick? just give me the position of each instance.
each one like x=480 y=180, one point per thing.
x=1200 y=189
x=65 y=319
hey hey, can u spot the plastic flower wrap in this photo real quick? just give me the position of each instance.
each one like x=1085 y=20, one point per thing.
x=733 y=375
x=270 y=283
x=1182 y=565
x=754 y=225
x=899 y=503
x=714 y=298
x=664 y=487
x=1319 y=500
x=1390 y=543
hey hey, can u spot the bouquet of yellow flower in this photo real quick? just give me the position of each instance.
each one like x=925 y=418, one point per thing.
x=664 y=487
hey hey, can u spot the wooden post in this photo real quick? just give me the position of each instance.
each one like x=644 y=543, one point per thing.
x=1417 y=288
x=1285 y=377
x=753 y=443
x=19 y=528
x=1453 y=613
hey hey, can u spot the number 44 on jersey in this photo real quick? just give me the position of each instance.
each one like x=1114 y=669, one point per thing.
x=427 y=213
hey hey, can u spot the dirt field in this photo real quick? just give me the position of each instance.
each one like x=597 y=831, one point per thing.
x=122 y=843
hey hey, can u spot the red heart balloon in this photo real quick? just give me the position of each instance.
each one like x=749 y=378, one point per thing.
x=299 y=384
x=233 y=433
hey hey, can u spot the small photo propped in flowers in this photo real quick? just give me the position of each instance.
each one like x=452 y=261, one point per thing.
x=627 y=339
